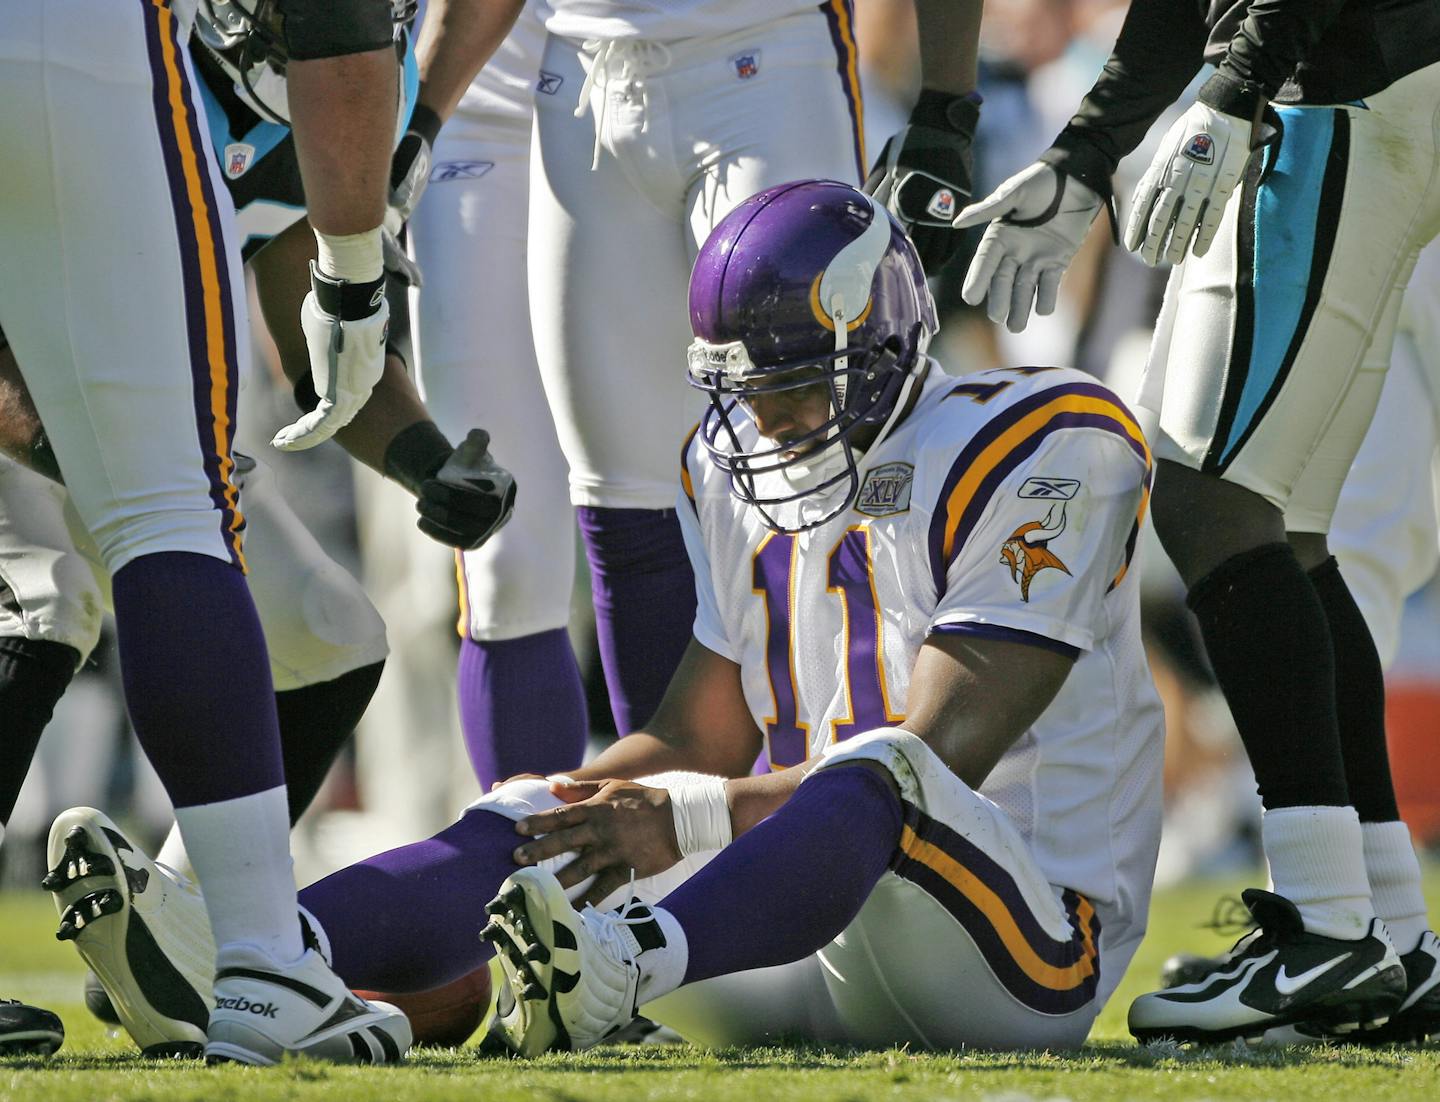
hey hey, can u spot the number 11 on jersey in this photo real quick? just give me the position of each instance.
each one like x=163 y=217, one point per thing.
x=850 y=579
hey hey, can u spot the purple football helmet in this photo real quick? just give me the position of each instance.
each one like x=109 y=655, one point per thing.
x=804 y=283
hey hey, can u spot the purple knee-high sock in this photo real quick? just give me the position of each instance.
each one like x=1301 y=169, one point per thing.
x=644 y=594
x=197 y=677
x=793 y=882
x=410 y=919
x=522 y=706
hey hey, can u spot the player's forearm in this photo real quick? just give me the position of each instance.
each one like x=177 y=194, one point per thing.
x=753 y=799
x=456 y=39
x=1160 y=48
x=642 y=754
x=949 y=33
x=393 y=407
x=342 y=112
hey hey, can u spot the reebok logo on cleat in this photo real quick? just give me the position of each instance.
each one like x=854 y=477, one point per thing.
x=245 y=1006
x=1287 y=984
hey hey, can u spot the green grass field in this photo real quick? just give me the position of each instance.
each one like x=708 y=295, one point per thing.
x=94 y=1067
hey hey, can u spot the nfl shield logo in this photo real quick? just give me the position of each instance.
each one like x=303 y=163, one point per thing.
x=238 y=157
x=746 y=65
x=942 y=204
x=1200 y=149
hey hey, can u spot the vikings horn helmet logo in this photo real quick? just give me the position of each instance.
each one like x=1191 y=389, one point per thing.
x=1026 y=552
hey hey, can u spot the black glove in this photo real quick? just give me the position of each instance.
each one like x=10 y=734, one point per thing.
x=923 y=174
x=469 y=498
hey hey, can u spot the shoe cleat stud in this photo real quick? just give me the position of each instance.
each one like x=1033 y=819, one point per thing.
x=538 y=954
x=495 y=907
x=532 y=991
x=490 y=931
x=514 y=897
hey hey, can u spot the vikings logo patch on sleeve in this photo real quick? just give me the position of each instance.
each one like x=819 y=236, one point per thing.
x=1027 y=551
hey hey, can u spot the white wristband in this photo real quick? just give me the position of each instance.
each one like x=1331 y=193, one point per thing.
x=702 y=815
x=357 y=257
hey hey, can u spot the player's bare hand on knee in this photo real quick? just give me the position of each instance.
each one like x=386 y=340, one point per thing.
x=613 y=828
x=1178 y=204
x=1038 y=220
x=345 y=324
x=469 y=499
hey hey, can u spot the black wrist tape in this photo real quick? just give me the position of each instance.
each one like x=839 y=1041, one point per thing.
x=947 y=111
x=424 y=122
x=344 y=299
x=416 y=454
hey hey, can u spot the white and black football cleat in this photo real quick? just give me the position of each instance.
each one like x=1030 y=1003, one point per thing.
x=141 y=928
x=28 y=1030
x=573 y=974
x=1279 y=975
x=263 y=1012
x=1419 y=1015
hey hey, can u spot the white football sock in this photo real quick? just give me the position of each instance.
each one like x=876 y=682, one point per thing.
x=1394 y=874
x=173 y=855
x=1317 y=862
x=663 y=970
x=241 y=852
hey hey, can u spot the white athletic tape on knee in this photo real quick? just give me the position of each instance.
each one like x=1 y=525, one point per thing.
x=702 y=814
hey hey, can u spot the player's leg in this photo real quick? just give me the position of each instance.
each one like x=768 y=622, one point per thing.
x=607 y=276
x=522 y=705
x=762 y=117
x=131 y=326
x=964 y=944
x=1319 y=246
x=1391 y=867
x=49 y=620
x=1262 y=362
x=325 y=640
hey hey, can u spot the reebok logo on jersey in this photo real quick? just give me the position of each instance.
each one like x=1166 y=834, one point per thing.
x=238 y=158
x=1200 y=149
x=1056 y=489
x=747 y=64
x=1027 y=551
x=459 y=170
x=548 y=83
x=886 y=490
x=1287 y=984
x=245 y=1006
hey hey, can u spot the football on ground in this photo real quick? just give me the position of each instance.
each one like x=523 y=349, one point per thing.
x=444 y=1016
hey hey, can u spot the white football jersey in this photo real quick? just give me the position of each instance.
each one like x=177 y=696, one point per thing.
x=1006 y=504
x=669 y=20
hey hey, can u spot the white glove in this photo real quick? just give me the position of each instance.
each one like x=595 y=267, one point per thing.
x=347 y=358
x=1199 y=163
x=1038 y=219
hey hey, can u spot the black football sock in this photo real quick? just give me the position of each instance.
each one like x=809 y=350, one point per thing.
x=315 y=722
x=1359 y=698
x=33 y=676
x=1268 y=641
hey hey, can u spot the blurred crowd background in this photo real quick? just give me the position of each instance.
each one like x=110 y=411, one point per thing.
x=407 y=773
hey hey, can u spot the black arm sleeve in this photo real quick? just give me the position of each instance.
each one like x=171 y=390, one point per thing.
x=333 y=28
x=1160 y=48
x=1272 y=39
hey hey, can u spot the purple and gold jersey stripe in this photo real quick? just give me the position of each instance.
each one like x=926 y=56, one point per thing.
x=840 y=15
x=462 y=586
x=209 y=311
x=1006 y=441
x=686 y=482
x=1045 y=973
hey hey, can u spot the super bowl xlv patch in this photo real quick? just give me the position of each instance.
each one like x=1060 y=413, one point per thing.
x=1027 y=550
x=886 y=490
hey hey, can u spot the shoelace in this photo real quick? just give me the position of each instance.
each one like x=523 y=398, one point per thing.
x=618 y=60
x=1229 y=917
x=612 y=929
